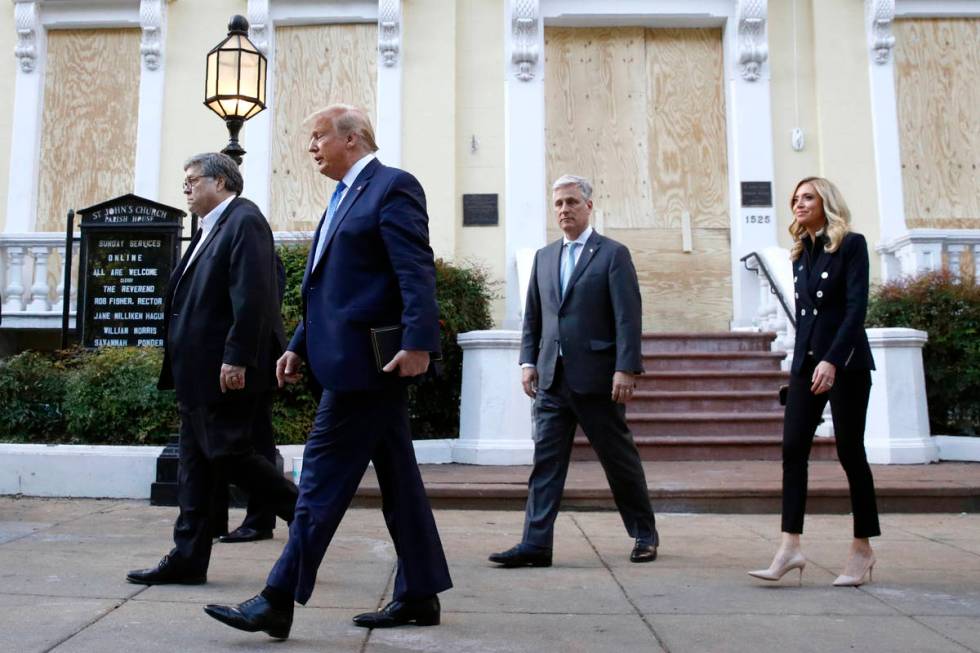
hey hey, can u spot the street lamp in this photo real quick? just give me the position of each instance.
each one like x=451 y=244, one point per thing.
x=235 y=82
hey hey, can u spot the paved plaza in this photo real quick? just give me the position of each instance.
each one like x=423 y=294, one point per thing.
x=63 y=562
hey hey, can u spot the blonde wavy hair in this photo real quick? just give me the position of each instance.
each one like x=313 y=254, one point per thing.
x=834 y=209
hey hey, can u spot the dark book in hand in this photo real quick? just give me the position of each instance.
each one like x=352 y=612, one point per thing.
x=386 y=342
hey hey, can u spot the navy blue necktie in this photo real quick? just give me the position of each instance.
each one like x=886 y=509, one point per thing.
x=325 y=229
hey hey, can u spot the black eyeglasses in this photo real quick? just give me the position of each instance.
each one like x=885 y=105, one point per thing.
x=191 y=182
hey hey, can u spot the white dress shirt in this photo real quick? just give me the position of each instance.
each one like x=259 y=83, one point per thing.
x=207 y=224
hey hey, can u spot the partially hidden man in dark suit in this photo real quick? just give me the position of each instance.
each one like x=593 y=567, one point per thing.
x=580 y=352
x=223 y=335
x=370 y=266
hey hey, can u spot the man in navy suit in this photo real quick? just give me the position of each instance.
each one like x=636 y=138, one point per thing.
x=370 y=266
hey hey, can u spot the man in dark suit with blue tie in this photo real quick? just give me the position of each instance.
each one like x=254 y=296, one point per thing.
x=580 y=352
x=370 y=266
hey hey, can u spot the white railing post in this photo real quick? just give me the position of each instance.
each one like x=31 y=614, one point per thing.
x=14 y=292
x=39 y=289
x=60 y=290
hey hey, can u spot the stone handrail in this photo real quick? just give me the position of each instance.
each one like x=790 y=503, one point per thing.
x=776 y=299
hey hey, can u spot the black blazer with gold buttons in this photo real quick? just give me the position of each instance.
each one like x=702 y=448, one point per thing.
x=831 y=302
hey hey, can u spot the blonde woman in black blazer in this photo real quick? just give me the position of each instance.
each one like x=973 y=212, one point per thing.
x=831 y=361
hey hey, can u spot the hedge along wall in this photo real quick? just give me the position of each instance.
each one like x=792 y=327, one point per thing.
x=949 y=311
x=109 y=396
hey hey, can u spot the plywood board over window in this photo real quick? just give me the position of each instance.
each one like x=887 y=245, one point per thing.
x=937 y=65
x=642 y=113
x=316 y=65
x=88 y=138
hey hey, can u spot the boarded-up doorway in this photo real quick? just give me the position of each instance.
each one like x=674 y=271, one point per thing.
x=641 y=112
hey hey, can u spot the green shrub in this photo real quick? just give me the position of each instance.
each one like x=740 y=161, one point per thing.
x=32 y=395
x=950 y=312
x=109 y=396
x=112 y=399
x=464 y=296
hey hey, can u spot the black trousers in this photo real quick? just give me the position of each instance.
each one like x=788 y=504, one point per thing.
x=557 y=411
x=849 y=406
x=216 y=447
x=260 y=515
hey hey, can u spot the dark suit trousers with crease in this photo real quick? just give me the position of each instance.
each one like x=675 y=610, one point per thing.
x=216 y=447
x=557 y=412
x=350 y=430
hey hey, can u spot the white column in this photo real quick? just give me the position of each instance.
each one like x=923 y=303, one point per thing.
x=494 y=414
x=525 y=205
x=750 y=146
x=879 y=15
x=149 y=125
x=25 y=141
x=389 y=119
x=898 y=415
x=256 y=136
x=60 y=290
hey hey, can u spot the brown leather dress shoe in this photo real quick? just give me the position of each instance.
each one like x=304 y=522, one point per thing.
x=423 y=612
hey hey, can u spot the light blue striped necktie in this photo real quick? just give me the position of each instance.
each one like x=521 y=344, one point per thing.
x=569 y=267
x=321 y=242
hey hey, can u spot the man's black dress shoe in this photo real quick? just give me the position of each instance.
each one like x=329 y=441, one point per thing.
x=254 y=615
x=423 y=612
x=643 y=552
x=166 y=573
x=522 y=556
x=245 y=534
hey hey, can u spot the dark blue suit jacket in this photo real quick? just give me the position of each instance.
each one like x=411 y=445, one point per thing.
x=831 y=302
x=377 y=270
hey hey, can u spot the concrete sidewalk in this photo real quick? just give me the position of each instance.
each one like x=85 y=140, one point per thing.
x=63 y=562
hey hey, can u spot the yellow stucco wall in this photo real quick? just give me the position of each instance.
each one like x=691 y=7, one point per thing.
x=189 y=127
x=480 y=114
x=429 y=112
x=843 y=98
x=8 y=69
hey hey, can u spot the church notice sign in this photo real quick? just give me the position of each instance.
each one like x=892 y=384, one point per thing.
x=129 y=248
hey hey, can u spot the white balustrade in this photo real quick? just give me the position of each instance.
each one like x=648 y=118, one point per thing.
x=922 y=250
x=32 y=298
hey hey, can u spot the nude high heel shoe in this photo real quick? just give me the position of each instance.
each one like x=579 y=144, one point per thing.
x=796 y=561
x=857 y=581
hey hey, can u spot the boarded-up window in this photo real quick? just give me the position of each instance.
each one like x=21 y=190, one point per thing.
x=88 y=138
x=316 y=65
x=937 y=63
x=642 y=113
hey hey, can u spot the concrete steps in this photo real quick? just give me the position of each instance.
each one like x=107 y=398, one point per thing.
x=708 y=396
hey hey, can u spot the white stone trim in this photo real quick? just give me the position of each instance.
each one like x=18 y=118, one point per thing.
x=921 y=250
x=879 y=16
x=753 y=48
x=525 y=206
x=748 y=120
x=27 y=21
x=963 y=448
x=388 y=127
x=937 y=8
x=149 y=125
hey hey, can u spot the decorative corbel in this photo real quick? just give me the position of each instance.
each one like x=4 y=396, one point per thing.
x=27 y=18
x=151 y=22
x=752 y=48
x=258 y=24
x=389 y=28
x=524 y=22
x=880 y=16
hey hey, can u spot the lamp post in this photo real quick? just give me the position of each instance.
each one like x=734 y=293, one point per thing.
x=235 y=82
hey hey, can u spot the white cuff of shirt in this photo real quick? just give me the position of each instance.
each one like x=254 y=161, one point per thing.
x=531 y=365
